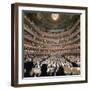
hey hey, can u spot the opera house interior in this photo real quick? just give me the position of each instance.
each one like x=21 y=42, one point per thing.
x=51 y=44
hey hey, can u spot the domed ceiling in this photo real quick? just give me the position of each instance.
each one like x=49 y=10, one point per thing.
x=53 y=22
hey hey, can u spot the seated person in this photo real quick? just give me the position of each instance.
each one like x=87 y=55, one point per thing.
x=44 y=70
x=60 y=71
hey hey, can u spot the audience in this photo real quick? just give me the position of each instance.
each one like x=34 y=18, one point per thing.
x=49 y=49
x=50 y=65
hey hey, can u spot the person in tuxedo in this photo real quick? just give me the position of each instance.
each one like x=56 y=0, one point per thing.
x=28 y=66
x=60 y=71
x=44 y=70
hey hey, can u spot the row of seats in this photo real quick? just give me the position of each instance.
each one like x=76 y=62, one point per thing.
x=41 y=38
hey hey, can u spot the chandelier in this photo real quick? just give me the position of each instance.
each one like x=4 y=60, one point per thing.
x=55 y=16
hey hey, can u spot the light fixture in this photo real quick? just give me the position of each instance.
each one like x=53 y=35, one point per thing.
x=55 y=16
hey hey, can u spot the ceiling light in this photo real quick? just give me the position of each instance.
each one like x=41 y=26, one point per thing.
x=55 y=16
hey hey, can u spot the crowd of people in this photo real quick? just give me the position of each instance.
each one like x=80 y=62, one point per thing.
x=50 y=65
x=40 y=36
x=51 y=53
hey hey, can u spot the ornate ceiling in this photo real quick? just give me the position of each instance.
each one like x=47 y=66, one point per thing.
x=53 y=21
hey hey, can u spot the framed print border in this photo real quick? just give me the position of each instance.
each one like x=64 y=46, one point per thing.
x=15 y=33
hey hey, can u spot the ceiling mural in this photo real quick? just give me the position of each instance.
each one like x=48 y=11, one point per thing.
x=53 y=22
